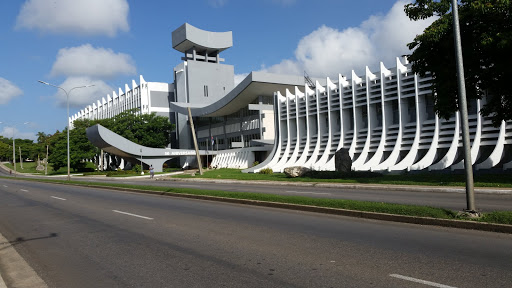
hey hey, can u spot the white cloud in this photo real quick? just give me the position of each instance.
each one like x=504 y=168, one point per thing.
x=81 y=97
x=86 y=60
x=8 y=91
x=82 y=17
x=328 y=51
x=7 y=132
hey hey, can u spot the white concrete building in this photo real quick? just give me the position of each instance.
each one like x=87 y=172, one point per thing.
x=386 y=120
x=146 y=97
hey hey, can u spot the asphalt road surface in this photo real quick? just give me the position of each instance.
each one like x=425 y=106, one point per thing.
x=84 y=237
x=449 y=200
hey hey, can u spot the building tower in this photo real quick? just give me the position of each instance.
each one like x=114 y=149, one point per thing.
x=201 y=78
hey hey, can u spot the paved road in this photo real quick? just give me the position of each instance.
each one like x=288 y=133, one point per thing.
x=446 y=197
x=83 y=237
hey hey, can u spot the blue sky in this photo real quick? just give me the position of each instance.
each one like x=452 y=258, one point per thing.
x=110 y=42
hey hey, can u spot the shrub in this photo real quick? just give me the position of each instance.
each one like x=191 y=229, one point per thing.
x=266 y=171
x=255 y=163
x=136 y=168
x=120 y=172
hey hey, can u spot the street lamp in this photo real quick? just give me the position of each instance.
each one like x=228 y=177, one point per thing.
x=141 y=165
x=67 y=120
x=463 y=108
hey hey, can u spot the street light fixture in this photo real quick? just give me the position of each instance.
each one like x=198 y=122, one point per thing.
x=67 y=120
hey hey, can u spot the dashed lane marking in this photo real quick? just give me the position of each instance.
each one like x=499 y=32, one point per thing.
x=134 y=215
x=58 y=198
x=433 y=284
x=23 y=190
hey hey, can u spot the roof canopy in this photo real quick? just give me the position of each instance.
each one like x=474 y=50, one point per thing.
x=187 y=37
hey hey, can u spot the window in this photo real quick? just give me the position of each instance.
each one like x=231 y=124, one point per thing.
x=205 y=90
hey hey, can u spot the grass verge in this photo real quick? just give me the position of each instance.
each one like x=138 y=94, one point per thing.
x=429 y=178
x=498 y=217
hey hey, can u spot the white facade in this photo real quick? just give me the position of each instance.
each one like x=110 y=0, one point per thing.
x=386 y=120
x=138 y=97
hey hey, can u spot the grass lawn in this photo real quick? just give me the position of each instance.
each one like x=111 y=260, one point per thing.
x=30 y=167
x=427 y=178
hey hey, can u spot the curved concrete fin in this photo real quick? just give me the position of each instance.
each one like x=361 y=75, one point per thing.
x=115 y=144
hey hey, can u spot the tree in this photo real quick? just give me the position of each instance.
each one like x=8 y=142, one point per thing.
x=5 y=150
x=486 y=33
x=58 y=147
x=82 y=147
x=147 y=129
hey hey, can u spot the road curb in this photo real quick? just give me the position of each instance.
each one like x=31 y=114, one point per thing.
x=15 y=269
x=461 y=224
x=385 y=187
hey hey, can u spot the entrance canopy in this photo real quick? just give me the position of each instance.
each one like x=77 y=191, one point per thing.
x=116 y=144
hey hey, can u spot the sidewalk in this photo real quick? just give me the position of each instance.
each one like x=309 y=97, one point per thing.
x=16 y=269
x=388 y=187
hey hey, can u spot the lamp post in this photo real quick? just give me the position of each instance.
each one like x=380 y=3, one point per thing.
x=67 y=120
x=468 y=166
x=141 y=165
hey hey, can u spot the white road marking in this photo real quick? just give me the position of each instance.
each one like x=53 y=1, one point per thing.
x=6 y=186
x=318 y=193
x=23 y=190
x=433 y=284
x=134 y=215
x=58 y=198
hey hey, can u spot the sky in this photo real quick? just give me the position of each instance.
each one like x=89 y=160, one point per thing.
x=109 y=43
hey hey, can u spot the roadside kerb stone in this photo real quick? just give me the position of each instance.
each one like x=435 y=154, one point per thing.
x=385 y=187
x=15 y=270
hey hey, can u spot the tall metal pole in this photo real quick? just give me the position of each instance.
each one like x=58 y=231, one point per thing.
x=21 y=159
x=463 y=108
x=67 y=119
x=141 y=165
x=13 y=152
x=46 y=166
x=195 y=141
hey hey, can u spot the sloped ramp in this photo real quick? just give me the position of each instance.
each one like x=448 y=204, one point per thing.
x=115 y=144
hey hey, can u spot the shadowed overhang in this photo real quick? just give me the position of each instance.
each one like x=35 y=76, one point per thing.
x=254 y=85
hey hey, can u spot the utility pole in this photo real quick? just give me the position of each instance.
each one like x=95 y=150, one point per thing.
x=463 y=108
x=21 y=159
x=13 y=152
x=46 y=166
x=195 y=142
x=141 y=165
